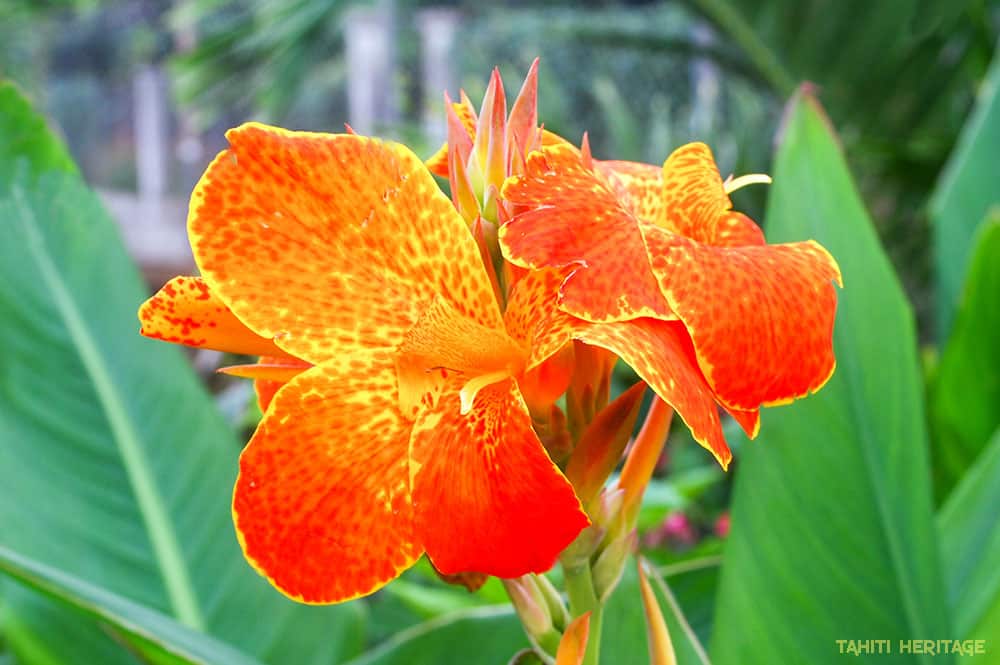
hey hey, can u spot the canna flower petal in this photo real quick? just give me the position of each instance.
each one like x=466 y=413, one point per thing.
x=695 y=203
x=486 y=495
x=533 y=317
x=534 y=320
x=576 y=219
x=343 y=249
x=749 y=421
x=639 y=186
x=331 y=243
x=185 y=311
x=265 y=390
x=760 y=316
x=686 y=196
x=661 y=354
x=764 y=337
x=322 y=504
x=659 y=351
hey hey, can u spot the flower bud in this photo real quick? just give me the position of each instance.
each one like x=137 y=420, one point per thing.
x=601 y=446
x=533 y=610
x=554 y=600
x=607 y=570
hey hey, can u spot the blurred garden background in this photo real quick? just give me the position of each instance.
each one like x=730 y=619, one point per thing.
x=867 y=512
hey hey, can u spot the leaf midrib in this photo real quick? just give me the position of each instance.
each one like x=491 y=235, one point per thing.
x=159 y=527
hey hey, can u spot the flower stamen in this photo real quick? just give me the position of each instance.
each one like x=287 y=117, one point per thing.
x=732 y=184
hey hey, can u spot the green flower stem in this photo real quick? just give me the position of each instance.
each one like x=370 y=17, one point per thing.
x=583 y=599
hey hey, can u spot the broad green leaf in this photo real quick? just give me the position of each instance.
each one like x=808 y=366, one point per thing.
x=115 y=467
x=156 y=637
x=832 y=528
x=483 y=635
x=970 y=551
x=964 y=194
x=964 y=395
x=29 y=620
x=23 y=133
x=694 y=583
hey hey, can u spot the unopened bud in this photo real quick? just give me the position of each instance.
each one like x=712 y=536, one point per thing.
x=610 y=564
x=602 y=443
x=533 y=610
x=554 y=600
x=609 y=505
x=578 y=553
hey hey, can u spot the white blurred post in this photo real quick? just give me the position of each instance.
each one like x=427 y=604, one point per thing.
x=151 y=132
x=438 y=27
x=705 y=80
x=369 y=51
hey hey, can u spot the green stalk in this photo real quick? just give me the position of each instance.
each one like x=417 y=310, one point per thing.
x=583 y=599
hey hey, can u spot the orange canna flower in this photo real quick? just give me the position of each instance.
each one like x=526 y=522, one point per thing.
x=663 y=273
x=399 y=427
x=186 y=311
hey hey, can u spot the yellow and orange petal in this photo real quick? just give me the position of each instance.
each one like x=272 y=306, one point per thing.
x=695 y=203
x=760 y=317
x=686 y=195
x=660 y=352
x=638 y=185
x=576 y=218
x=486 y=496
x=185 y=311
x=265 y=390
x=533 y=316
x=331 y=243
x=322 y=504
x=444 y=343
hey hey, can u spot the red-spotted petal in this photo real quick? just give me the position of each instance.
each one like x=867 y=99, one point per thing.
x=322 y=504
x=660 y=352
x=533 y=316
x=487 y=497
x=638 y=185
x=761 y=317
x=576 y=218
x=686 y=196
x=331 y=243
x=695 y=203
x=185 y=311
x=266 y=389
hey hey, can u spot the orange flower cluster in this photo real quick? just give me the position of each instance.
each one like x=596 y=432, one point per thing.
x=412 y=347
